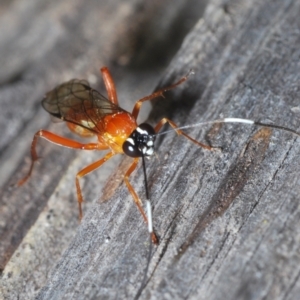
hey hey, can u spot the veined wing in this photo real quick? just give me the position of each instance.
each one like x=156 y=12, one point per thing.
x=76 y=102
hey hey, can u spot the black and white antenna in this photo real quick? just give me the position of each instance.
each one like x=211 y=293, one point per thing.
x=150 y=228
x=231 y=120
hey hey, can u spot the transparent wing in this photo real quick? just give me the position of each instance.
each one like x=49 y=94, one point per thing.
x=76 y=102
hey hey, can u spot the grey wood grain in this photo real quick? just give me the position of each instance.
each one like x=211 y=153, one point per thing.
x=228 y=221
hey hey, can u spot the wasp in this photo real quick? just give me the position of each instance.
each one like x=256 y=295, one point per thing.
x=90 y=114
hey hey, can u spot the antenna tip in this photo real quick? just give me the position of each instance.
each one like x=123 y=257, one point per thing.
x=191 y=72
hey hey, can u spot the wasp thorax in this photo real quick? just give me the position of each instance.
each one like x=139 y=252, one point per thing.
x=140 y=142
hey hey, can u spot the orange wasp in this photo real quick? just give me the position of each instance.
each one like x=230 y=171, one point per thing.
x=88 y=113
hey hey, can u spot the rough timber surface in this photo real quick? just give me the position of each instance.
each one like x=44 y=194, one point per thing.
x=228 y=221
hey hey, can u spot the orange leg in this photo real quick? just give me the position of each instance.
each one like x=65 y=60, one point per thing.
x=59 y=140
x=138 y=104
x=136 y=199
x=86 y=171
x=179 y=132
x=110 y=85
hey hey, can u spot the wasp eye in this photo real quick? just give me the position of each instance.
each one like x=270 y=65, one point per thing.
x=146 y=130
x=130 y=148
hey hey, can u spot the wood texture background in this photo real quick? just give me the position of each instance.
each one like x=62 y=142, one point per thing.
x=228 y=220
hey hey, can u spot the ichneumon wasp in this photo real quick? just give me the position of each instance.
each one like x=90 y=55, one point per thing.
x=90 y=114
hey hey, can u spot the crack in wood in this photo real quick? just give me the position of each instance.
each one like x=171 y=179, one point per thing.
x=237 y=177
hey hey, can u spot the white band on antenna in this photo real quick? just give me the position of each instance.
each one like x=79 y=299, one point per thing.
x=149 y=215
x=238 y=120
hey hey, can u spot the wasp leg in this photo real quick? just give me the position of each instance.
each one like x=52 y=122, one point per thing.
x=86 y=171
x=138 y=104
x=110 y=85
x=179 y=132
x=136 y=199
x=59 y=140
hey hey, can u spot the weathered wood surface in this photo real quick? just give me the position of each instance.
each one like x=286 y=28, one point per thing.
x=228 y=220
